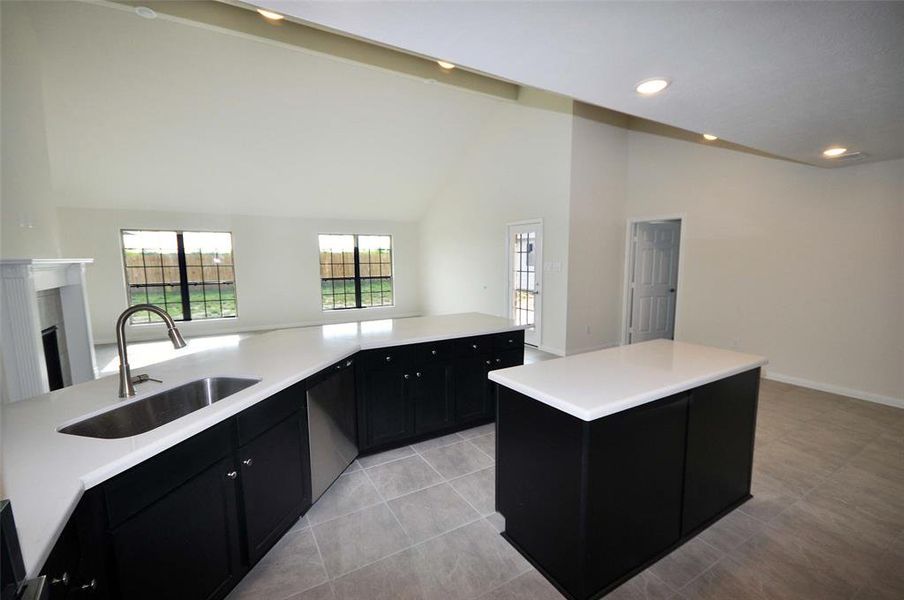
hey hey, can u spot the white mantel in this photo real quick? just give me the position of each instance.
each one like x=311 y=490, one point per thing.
x=24 y=367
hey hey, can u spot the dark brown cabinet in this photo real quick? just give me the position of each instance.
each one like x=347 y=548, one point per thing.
x=408 y=393
x=273 y=489
x=184 y=545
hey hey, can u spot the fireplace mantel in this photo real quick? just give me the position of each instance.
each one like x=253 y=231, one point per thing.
x=21 y=280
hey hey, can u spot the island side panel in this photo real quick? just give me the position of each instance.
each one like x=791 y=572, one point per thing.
x=720 y=441
x=636 y=466
x=539 y=479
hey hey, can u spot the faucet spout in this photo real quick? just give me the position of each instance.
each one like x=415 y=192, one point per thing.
x=126 y=385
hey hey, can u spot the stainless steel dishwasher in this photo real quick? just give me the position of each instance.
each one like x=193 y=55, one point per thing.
x=332 y=426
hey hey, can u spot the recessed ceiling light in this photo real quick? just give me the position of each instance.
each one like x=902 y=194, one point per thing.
x=144 y=11
x=648 y=87
x=834 y=151
x=709 y=137
x=446 y=65
x=269 y=14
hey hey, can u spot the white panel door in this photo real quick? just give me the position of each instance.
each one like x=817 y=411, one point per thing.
x=525 y=242
x=654 y=281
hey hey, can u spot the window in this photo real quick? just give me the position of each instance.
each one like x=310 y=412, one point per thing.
x=189 y=274
x=355 y=271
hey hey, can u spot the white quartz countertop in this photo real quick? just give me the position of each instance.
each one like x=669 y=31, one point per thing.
x=596 y=384
x=45 y=472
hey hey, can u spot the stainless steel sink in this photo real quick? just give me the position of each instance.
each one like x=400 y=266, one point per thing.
x=152 y=412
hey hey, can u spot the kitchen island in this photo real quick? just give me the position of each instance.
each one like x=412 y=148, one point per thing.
x=607 y=461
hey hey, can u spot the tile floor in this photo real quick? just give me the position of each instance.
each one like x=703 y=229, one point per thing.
x=826 y=521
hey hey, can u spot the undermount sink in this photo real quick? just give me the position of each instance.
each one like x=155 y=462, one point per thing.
x=152 y=412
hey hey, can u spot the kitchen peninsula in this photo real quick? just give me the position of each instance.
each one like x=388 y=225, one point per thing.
x=607 y=461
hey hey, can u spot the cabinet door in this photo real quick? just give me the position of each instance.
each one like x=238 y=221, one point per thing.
x=472 y=400
x=430 y=394
x=184 y=545
x=387 y=415
x=634 y=498
x=720 y=432
x=273 y=490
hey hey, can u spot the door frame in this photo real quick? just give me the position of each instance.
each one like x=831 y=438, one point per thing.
x=629 y=262
x=538 y=274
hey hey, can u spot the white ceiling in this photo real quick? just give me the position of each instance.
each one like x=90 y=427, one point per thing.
x=789 y=78
x=164 y=115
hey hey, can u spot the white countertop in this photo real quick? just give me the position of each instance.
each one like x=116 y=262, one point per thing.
x=596 y=384
x=46 y=472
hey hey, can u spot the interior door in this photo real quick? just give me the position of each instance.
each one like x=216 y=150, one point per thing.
x=654 y=281
x=525 y=248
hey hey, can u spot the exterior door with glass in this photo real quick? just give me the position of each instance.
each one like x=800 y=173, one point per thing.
x=525 y=251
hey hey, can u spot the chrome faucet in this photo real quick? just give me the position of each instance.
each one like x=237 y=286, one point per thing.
x=126 y=381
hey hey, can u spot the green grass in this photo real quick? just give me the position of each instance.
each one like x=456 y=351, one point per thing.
x=219 y=305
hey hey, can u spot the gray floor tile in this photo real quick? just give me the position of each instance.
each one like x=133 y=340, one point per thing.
x=457 y=460
x=403 y=476
x=487 y=443
x=351 y=492
x=432 y=511
x=302 y=523
x=497 y=521
x=530 y=585
x=352 y=541
x=731 y=531
x=384 y=457
x=643 y=586
x=467 y=562
x=291 y=566
x=479 y=489
x=396 y=577
x=478 y=431
x=321 y=592
x=685 y=563
x=438 y=442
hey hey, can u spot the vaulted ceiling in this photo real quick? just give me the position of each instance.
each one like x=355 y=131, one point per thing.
x=787 y=78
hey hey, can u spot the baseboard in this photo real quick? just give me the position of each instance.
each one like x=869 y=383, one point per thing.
x=835 y=389
x=551 y=350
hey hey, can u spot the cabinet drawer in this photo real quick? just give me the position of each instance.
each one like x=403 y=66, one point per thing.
x=142 y=485
x=474 y=346
x=267 y=413
x=386 y=358
x=433 y=352
x=511 y=340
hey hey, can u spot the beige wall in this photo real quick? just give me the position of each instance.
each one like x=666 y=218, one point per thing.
x=276 y=264
x=800 y=264
x=29 y=226
x=517 y=168
x=596 y=230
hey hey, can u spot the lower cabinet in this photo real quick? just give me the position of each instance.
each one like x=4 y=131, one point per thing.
x=190 y=522
x=406 y=393
x=273 y=488
x=185 y=545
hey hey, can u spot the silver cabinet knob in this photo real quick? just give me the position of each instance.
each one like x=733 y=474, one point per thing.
x=61 y=580
x=338 y=367
x=489 y=362
x=232 y=474
x=511 y=341
x=349 y=363
x=433 y=352
x=417 y=374
x=406 y=376
x=388 y=359
x=90 y=586
x=474 y=346
x=247 y=462
x=498 y=360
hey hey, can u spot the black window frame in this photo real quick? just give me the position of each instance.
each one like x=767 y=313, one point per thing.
x=358 y=278
x=184 y=284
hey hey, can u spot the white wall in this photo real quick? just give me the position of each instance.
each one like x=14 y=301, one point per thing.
x=517 y=168
x=276 y=267
x=800 y=264
x=28 y=227
x=596 y=231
